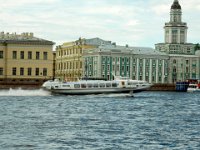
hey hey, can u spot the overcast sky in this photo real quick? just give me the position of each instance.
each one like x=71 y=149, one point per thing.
x=132 y=22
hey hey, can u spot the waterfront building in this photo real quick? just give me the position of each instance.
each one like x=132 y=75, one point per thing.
x=138 y=63
x=184 y=59
x=25 y=58
x=69 y=57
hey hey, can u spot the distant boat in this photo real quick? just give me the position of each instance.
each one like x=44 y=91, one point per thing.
x=194 y=87
x=93 y=86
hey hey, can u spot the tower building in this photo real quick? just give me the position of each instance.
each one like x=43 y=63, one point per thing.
x=175 y=34
x=184 y=59
x=175 y=30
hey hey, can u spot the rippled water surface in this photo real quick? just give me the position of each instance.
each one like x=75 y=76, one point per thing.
x=32 y=120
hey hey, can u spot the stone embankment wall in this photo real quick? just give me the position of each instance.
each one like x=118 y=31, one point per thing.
x=163 y=87
x=22 y=86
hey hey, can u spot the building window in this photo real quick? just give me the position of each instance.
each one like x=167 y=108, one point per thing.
x=108 y=59
x=1 y=54
x=44 y=71
x=147 y=69
x=37 y=71
x=117 y=68
x=21 y=71
x=154 y=62
x=160 y=69
x=122 y=68
x=187 y=69
x=22 y=55
x=1 y=71
x=160 y=79
x=90 y=67
x=14 y=54
x=141 y=69
x=182 y=36
x=128 y=60
x=188 y=50
x=29 y=55
x=14 y=71
x=127 y=68
x=146 y=78
x=153 y=78
x=108 y=77
x=187 y=62
x=113 y=67
x=141 y=61
x=45 y=55
x=134 y=69
x=134 y=61
x=80 y=64
x=29 y=71
x=147 y=62
x=122 y=60
x=174 y=36
x=140 y=78
x=37 y=55
x=103 y=67
x=108 y=68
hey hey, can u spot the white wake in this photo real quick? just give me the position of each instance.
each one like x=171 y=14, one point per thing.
x=22 y=92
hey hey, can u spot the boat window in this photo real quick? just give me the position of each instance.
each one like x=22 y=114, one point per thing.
x=114 y=84
x=108 y=84
x=66 y=85
x=89 y=85
x=76 y=85
x=192 y=86
x=95 y=85
x=102 y=85
x=83 y=85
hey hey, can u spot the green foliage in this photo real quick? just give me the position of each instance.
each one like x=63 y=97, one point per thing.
x=197 y=47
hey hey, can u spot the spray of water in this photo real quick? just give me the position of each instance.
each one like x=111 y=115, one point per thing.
x=22 y=92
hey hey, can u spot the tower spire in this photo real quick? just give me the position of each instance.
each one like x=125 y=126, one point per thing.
x=176 y=5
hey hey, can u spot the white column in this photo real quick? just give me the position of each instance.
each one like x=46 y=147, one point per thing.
x=163 y=71
x=157 y=70
x=99 y=63
x=144 y=70
x=150 y=71
x=137 y=75
x=179 y=36
x=131 y=67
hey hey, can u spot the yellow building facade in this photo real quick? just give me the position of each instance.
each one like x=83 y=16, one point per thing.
x=69 y=62
x=25 y=58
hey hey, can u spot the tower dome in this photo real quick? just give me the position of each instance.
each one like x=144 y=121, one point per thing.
x=176 y=5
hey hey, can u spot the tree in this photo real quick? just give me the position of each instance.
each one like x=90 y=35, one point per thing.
x=197 y=47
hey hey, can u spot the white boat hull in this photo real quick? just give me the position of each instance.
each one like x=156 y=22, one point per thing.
x=193 y=90
x=96 y=91
x=85 y=87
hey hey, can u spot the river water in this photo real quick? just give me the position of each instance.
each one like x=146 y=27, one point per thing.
x=36 y=120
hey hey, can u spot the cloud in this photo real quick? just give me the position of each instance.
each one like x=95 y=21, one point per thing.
x=123 y=21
